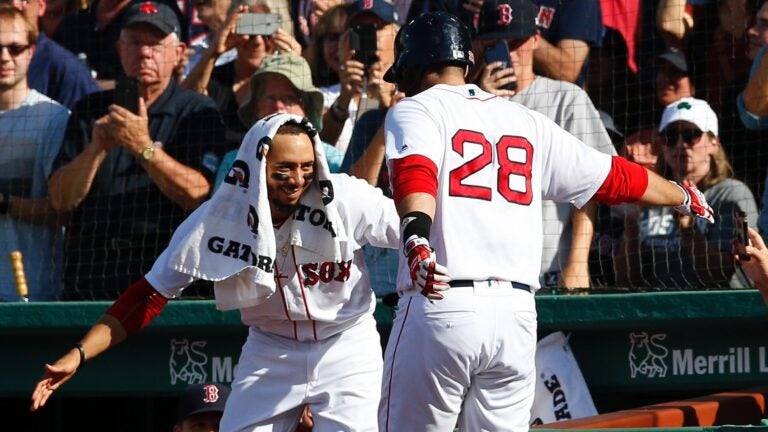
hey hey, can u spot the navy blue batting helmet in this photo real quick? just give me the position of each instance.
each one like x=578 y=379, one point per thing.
x=431 y=38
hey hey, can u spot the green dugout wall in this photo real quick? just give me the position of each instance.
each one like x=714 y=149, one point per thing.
x=630 y=345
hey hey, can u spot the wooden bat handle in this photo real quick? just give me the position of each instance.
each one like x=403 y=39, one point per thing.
x=18 y=273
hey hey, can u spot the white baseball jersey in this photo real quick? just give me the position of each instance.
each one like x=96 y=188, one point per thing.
x=496 y=161
x=315 y=301
x=569 y=106
x=314 y=342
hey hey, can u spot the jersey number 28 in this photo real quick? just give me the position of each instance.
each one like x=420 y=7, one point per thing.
x=507 y=167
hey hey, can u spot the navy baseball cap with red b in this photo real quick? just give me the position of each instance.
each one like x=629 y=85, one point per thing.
x=380 y=8
x=201 y=398
x=507 y=19
x=155 y=13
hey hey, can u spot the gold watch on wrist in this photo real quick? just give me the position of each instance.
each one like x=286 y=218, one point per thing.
x=148 y=152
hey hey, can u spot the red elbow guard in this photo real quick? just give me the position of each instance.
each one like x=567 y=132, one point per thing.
x=137 y=306
x=626 y=182
x=413 y=174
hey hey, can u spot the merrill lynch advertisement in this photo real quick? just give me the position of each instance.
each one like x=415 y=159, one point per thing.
x=650 y=357
x=696 y=358
x=621 y=360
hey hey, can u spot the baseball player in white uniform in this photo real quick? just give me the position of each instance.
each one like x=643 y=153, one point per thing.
x=469 y=171
x=314 y=341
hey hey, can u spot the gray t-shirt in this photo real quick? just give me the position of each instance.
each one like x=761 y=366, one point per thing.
x=663 y=265
x=570 y=107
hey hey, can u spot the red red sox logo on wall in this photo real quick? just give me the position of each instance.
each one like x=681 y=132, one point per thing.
x=505 y=14
x=211 y=393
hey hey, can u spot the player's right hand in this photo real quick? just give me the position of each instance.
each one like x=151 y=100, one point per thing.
x=694 y=203
x=55 y=375
x=427 y=275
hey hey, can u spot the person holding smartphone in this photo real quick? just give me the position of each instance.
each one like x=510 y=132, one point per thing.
x=660 y=249
x=361 y=86
x=756 y=264
x=511 y=26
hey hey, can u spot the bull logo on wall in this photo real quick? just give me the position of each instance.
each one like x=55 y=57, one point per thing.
x=647 y=356
x=187 y=361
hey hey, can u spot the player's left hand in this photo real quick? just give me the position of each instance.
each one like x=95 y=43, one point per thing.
x=427 y=275
x=694 y=204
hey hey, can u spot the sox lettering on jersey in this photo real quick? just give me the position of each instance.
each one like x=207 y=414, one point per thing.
x=326 y=272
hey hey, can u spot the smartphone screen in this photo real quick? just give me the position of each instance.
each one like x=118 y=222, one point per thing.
x=262 y=24
x=740 y=225
x=363 y=40
x=127 y=93
x=499 y=52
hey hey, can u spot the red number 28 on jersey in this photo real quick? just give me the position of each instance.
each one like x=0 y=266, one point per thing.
x=507 y=167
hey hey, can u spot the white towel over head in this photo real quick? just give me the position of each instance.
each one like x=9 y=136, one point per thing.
x=230 y=238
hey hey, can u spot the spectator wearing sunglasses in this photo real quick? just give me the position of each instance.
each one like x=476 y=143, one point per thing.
x=663 y=250
x=673 y=82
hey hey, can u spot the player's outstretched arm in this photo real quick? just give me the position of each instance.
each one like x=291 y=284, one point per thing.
x=132 y=311
x=630 y=182
x=684 y=197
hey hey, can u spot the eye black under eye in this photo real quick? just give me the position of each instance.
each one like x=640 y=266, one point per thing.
x=279 y=176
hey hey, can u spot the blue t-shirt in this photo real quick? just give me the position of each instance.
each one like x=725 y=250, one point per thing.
x=570 y=19
x=55 y=72
x=31 y=135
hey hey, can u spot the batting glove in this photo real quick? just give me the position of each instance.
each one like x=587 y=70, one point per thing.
x=426 y=274
x=694 y=204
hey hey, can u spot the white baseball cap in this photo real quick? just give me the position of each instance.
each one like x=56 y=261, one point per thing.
x=692 y=110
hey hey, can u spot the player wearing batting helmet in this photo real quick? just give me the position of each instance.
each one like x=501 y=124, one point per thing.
x=469 y=171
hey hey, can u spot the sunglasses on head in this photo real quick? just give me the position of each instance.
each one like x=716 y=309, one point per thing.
x=689 y=136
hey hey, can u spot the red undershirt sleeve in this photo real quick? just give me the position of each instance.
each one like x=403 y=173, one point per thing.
x=412 y=174
x=137 y=306
x=626 y=182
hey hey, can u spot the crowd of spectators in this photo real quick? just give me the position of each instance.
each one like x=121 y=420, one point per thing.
x=93 y=183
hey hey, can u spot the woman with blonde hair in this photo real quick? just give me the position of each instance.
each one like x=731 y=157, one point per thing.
x=663 y=250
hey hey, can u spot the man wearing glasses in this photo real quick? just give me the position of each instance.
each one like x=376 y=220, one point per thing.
x=130 y=177
x=31 y=128
x=568 y=231
x=54 y=71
